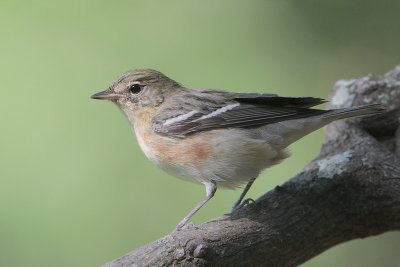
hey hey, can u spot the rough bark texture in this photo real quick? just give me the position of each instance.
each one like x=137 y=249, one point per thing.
x=351 y=190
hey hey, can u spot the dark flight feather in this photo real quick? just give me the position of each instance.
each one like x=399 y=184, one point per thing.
x=270 y=99
x=244 y=111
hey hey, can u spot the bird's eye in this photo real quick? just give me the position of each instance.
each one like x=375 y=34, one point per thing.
x=135 y=88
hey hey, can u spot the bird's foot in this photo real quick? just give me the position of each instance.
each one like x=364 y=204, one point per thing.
x=238 y=205
x=184 y=224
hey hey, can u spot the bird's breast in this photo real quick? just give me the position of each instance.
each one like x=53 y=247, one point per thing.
x=189 y=151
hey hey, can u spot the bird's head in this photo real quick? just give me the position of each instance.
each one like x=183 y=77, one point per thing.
x=139 y=88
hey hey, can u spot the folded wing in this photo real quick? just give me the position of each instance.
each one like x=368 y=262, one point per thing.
x=241 y=111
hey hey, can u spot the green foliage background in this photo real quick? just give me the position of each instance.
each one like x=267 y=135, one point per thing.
x=75 y=189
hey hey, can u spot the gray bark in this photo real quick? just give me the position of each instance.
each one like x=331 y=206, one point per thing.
x=351 y=190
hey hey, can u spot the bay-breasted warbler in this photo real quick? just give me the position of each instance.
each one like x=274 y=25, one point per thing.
x=213 y=137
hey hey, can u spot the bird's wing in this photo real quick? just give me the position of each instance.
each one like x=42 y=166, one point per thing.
x=271 y=99
x=207 y=111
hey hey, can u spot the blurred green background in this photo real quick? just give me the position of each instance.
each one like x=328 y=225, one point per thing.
x=75 y=189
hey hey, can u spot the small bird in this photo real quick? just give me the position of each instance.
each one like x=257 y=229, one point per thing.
x=214 y=137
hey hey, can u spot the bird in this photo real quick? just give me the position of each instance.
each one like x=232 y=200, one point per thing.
x=214 y=137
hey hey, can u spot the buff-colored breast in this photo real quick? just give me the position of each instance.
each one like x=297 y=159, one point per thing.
x=189 y=151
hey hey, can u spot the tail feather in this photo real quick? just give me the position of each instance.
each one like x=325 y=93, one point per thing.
x=293 y=130
x=366 y=110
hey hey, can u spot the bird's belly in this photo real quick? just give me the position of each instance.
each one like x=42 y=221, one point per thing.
x=239 y=156
x=182 y=158
x=229 y=157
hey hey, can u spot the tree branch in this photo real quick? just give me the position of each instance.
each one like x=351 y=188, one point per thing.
x=351 y=190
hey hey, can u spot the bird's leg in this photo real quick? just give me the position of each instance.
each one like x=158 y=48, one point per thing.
x=211 y=188
x=239 y=203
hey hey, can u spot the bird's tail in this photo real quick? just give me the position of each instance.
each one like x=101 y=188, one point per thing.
x=296 y=129
x=366 y=110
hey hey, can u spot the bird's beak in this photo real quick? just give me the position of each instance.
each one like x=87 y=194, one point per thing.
x=107 y=95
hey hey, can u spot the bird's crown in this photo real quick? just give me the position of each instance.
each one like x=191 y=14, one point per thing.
x=143 y=77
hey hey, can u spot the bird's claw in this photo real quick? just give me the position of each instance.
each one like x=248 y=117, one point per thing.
x=184 y=225
x=239 y=205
